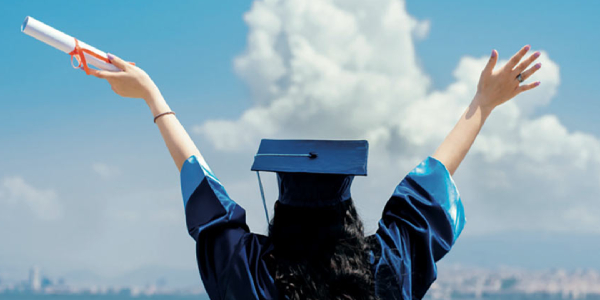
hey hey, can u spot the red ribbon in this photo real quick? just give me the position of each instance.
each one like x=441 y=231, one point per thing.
x=78 y=53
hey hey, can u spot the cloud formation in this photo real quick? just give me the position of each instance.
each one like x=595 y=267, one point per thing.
x=104 y=170
x=349 y=70
x=43 y=203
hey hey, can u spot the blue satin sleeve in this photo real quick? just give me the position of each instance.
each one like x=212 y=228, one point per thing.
x=420 y=223
x=214 y=220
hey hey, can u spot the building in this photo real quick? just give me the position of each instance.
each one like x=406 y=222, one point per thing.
x=35 y=282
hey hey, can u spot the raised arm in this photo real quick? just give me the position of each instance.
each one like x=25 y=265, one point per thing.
x=495 y=87
x=133 y=82
x=213 y=219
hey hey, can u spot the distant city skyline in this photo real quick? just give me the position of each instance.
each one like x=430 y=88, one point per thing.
x=454 y=282
x=37 y=283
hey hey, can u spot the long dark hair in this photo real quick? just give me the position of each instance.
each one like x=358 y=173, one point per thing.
x=321 y=253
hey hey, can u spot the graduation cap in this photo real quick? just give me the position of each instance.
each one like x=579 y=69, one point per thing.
x=312 y=173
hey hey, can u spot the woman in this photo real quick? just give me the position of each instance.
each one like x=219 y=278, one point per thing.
x=420 y=222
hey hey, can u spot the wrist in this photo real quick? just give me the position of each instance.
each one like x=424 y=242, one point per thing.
x=153 y=95
x=479 y=102
x=157 y=104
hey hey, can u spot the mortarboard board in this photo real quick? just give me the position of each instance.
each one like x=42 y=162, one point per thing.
x=312 y=156
x=312 y=173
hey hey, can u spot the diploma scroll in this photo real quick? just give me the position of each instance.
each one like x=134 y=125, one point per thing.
x=68 y=44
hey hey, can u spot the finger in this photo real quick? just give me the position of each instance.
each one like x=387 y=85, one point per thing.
x=530 y=71
x=119 y=63
x=523 y=65
x=491 y=62
x=517 y=57
x=527 y=87
x=103 y=74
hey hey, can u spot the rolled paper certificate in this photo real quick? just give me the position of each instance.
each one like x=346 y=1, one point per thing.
x=67 y=44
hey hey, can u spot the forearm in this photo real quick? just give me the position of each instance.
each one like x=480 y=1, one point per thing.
x=178 y=141
x=454 y=148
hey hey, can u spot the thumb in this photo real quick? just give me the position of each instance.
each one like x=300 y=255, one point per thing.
x=119 y=63
x=491 y=63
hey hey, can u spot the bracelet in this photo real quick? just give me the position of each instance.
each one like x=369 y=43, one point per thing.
x=162 y=114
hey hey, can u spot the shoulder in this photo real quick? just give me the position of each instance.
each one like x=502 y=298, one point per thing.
x=251 y=270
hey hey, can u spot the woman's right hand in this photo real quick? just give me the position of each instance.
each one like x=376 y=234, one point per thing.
x=498 y=86
x=131 y=81
x=495 y=87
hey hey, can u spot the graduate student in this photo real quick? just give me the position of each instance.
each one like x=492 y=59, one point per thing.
x=316 y=247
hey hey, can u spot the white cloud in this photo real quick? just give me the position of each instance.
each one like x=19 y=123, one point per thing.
x=43 y=203
x=104 y=170
x=349 y=70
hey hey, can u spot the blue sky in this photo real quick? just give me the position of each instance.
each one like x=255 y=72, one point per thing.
x=57 y=123
x=566 y=30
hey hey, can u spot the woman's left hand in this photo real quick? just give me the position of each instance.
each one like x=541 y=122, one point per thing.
x=498 y=86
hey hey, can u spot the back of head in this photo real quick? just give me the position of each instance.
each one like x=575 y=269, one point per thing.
x=321 y=252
